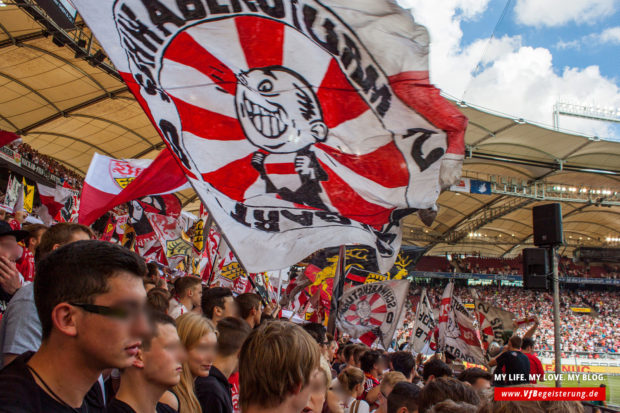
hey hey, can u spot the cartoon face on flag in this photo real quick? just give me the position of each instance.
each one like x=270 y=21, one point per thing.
x=290 y=120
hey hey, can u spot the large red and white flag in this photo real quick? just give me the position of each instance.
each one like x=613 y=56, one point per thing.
x=174 y=241
x=111 y=182
x=302 y=124
x=53 y=200
x=457 y=333
x=424 y=326
x=493 y=322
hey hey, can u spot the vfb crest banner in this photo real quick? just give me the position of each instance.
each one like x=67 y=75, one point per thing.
x=302 y=124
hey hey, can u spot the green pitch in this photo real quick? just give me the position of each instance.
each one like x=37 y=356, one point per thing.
x=612 y=382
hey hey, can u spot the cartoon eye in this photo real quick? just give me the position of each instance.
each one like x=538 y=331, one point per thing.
x=265 y=86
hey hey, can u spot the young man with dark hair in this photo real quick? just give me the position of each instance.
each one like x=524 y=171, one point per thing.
x=403 y=398
x=157 y=368
x=404 y=362
x=513 y=367
x=90 y=300
x=249 y=305
x=478 y=378
x=214 y=391
x=372 y=364
x=25 y=264
x=218 y=303
x=187 y=295
x=20 y=330
x=536 y=368
x=446 y=388
x=434 y=369
x=277 y=362
x=318 y=333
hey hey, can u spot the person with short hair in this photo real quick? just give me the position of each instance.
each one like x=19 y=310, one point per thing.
x=389 y=380
x=434 y=369
x=20 y=330
x=10 y=278
x=511 y=363
x=199 y=337
x=277 y=363
x=158 y=299
x=332 y=347
x=449 y=406
x=218 y=303
x=445 y=388
x=25 y=264
x=249 y=305
x=404 y=362
x=319 y=334
x=149 y=285
x=352 y=384
x=90 y=300
x=320 y=395
x=478 y=378
x=157 y=368
x=187 y=295
x=536 y=368
x=214 y=391
x=403 y=398
x=372 y=364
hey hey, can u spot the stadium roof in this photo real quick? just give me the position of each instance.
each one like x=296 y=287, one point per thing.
x=67 y=101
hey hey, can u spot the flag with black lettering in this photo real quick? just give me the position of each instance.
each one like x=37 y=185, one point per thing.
x=301 y=124
x=493 y=322
x=424 y=326
x=372 y=311
x=458 y=335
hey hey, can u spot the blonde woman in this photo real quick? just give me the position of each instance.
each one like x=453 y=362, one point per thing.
x=199 y=337
x=351 y=384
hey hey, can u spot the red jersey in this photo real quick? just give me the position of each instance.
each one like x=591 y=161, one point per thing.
x=25 y=265
x=234 y=390
x=15 y=225
x=535 y=367
x=370 y=383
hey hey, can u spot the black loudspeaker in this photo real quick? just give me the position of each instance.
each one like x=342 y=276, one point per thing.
x=547 y=223
x=535 y=269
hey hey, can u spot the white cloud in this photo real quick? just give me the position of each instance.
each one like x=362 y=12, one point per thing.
x=610 y=35
x=512 y=78
x=559 y=12
x=573 y=44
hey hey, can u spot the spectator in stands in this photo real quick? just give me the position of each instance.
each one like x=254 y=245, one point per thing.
x=403 y=398
x=332 y=347
x=389 y=380
x=218 y=303
x=446 y=388
x=536 y=368
x=156 y=369
x=187 y=296
x=513 y=367
x=318 y=333
x=404 y=362
x=351 y=382
x=199 y=339
x=149 y=285
x=20 y=330
x=373 y=364
x=478 y=378
x=320 y=396
x=158 y=299
x=285 y=354
x=214 y=391
x=90 y=300
x=249 y=305
x=448 y=406
x=10 y=278
x=18 y=219
x=25 y=264
x=434 y=369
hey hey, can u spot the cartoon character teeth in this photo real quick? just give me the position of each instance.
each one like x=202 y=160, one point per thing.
x=281 y=115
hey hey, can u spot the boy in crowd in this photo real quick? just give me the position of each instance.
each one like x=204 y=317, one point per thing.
x=90 y=300
x=434 y=369
x=20 y=330
x=249 y=305
x=218 y=303
x=214 y=391
x=478 y=378
x=157 y=368
x=187 y=295
x=404 y=362
x=285 y=354
x=373 y=364
x=403 y=398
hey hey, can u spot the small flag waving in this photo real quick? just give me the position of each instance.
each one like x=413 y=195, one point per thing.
x=424 y=326
x=372 y=311
x=111 y=182
x=457 y=334
x=302 y=124
x=493 y=323
x=52 y=201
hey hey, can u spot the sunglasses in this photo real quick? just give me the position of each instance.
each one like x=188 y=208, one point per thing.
x=120 y=313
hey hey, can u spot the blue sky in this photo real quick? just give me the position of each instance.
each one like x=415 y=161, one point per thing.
x=542 y=51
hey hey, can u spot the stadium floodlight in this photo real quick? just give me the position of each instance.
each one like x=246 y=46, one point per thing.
x=607 y=114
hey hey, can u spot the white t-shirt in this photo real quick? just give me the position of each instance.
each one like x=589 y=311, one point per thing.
x=176 y=309
x=352 y=405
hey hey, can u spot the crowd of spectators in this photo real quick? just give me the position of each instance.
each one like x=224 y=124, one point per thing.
x=49 y=164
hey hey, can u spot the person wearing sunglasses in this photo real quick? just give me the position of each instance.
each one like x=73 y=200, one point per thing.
x=90 y=301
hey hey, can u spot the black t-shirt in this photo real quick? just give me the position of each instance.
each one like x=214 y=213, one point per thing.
x=515 y=366
x=214 y=392
x=117 y=406
x=19 y=392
